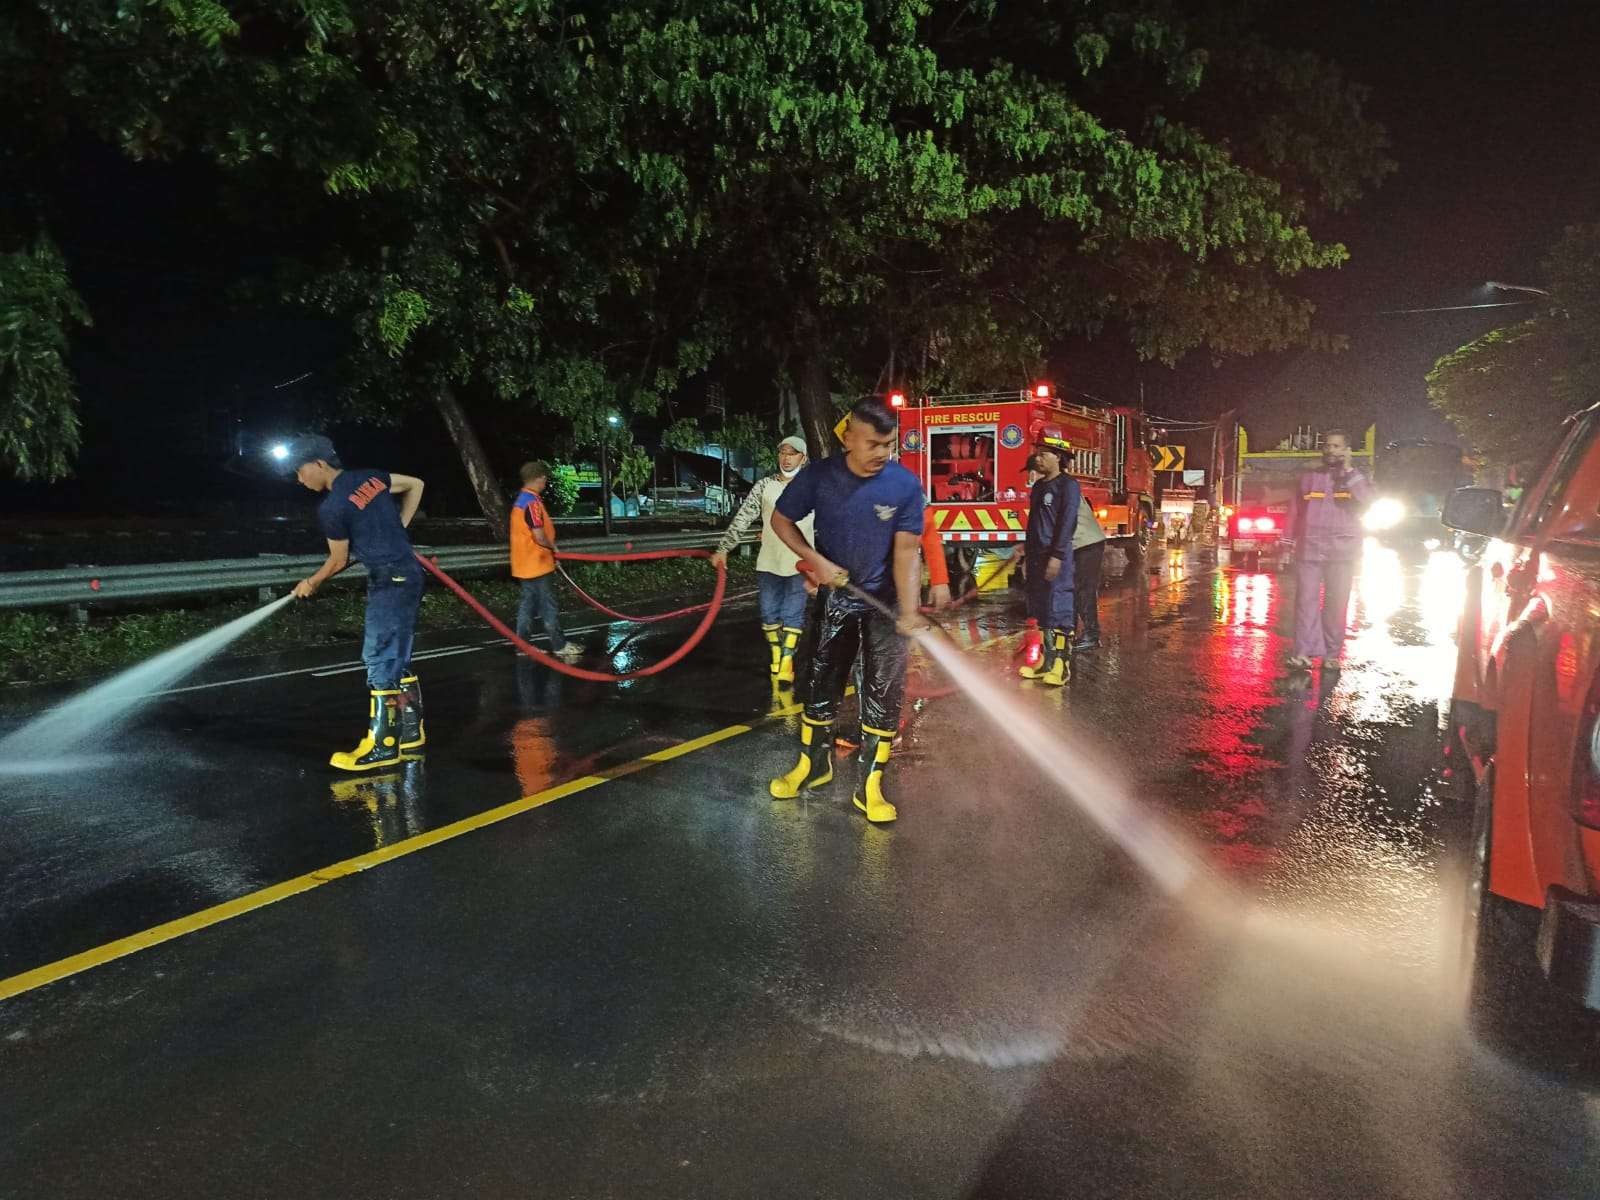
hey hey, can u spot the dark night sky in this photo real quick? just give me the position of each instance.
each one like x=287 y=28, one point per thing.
x=1494 y=116
x=1491 y=107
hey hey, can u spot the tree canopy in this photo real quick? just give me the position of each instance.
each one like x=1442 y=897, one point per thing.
x=521 y=207
x=1509 y=390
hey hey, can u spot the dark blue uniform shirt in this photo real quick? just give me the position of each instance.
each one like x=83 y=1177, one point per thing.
x=360 y=509
x=1052 y=517
x=856 y=518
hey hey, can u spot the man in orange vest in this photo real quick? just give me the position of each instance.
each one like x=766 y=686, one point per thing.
x=533 y=561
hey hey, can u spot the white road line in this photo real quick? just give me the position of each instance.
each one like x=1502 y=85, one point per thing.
x=335 y=668
x=423 y=656
x=324 y=669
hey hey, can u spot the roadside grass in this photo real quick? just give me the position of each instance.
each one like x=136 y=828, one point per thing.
x=47 y=646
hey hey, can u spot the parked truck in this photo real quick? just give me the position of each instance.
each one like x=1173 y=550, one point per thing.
x=1255 y=487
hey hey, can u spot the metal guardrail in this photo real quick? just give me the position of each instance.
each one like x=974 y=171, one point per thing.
x=83 y=586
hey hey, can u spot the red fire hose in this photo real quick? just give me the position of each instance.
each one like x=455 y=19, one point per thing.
x=621 y=616
x=711 y=608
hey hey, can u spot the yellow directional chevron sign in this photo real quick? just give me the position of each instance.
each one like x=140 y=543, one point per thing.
x=1166 y=458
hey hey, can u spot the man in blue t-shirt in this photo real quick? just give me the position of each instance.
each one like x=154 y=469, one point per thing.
x=868 y=526
x=364 y=517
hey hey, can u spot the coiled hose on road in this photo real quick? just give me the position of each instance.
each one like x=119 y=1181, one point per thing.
x=711 y=607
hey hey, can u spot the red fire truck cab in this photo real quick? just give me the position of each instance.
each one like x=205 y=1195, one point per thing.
x=971 y=454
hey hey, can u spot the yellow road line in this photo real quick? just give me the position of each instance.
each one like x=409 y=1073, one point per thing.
x=226 y=911
x=98 y=955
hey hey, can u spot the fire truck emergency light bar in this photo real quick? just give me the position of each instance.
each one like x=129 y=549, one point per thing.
x=1039 y=391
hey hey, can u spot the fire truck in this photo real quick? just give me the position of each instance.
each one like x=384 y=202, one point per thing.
x=971 y=454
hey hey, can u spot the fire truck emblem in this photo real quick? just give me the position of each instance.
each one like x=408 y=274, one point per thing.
x=884 y=511
x=913 y=441
x=1011 y=436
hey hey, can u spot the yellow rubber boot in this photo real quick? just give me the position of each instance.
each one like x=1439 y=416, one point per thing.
x=413 y=733
x=381 y=746
x=791 y=639
x=772 y=632
x=1060 y=670
x=815 y=767
x=876 y=745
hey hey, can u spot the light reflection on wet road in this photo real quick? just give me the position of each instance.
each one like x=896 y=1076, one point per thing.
x=672 y=986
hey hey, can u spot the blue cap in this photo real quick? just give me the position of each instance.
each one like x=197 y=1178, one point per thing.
x=309 y=447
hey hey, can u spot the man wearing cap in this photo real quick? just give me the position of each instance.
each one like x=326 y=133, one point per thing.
x=364 y=515
x=533 y=561
x=1052 y=520
x=782 y=588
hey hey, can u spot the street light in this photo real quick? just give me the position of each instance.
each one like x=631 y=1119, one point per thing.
x=1515 y=287
x=612 y=421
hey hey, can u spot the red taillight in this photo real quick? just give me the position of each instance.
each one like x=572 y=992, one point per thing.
x=1265 y=525
x=1246 y=524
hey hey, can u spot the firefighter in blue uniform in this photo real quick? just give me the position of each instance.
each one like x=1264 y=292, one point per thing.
x=364 y=515
x=1052 y=518
x=868 y=512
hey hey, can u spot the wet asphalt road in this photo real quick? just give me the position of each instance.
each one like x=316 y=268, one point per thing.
x=666 y=984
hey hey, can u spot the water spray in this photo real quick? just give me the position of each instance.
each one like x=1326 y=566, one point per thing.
x=91 y=719
x=1095 y=791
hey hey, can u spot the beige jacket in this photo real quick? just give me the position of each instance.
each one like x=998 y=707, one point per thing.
x=774 y=557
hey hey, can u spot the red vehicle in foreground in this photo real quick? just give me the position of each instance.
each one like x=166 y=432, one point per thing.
x=1525 y=715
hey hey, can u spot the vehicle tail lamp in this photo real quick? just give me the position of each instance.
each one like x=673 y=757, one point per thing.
x=1266 y=525
x=1246 y=524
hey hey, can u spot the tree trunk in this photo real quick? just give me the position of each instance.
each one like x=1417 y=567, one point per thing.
x=475 y=460
x=815 y=396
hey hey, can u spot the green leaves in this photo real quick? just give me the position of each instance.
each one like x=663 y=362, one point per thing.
x=1507 y=391
x=204 y=20
x=562 y=214
x=404 y=312
x=39 y=426
x=1498 y=391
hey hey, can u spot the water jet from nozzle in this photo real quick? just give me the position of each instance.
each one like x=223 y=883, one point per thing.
x=1094 y=791
x=88 y=721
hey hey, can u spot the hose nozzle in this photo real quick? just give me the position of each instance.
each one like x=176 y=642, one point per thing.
x=839 y=581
